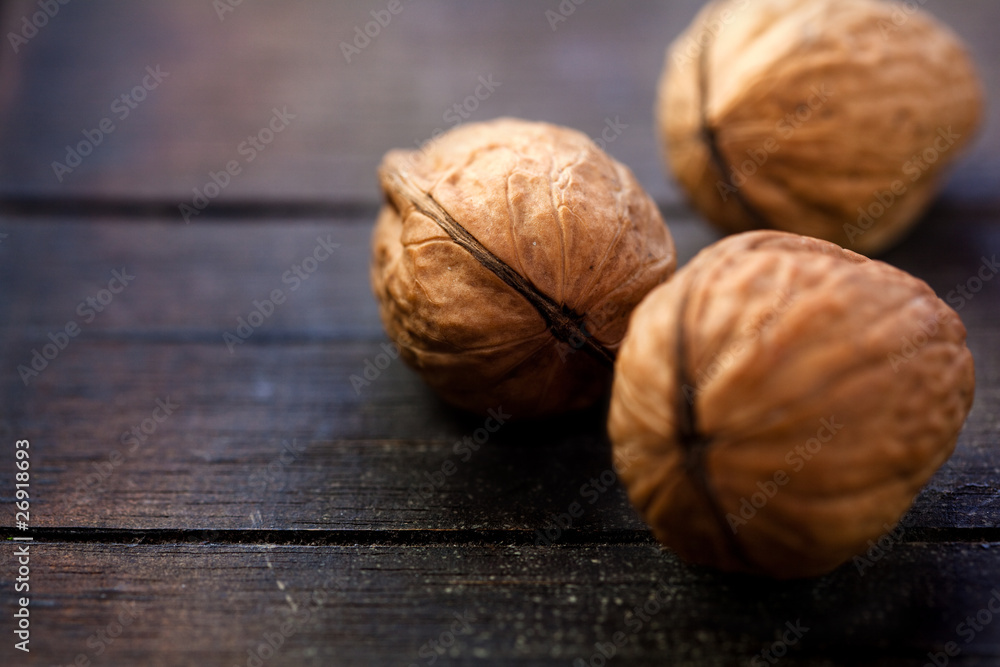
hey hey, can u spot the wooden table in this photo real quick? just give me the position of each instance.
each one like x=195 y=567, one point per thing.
x=193 y=504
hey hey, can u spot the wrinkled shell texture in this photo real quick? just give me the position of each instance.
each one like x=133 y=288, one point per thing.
x=821 y=106
x=548 y=203
x=795 y=352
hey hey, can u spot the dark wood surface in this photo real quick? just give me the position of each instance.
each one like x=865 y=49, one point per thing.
x=274 y=480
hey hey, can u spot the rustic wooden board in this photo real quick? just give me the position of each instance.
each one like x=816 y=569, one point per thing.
x=274 y=478
x=210 y=603
x=225 y=77
x=196 y=280
x=275 y=436
x=371 y=454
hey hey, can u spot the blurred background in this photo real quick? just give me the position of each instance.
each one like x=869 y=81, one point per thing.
x=229 y=64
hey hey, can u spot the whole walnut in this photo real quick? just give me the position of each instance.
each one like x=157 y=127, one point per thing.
x=507 y=259
x=781 y=401
x=831 y=118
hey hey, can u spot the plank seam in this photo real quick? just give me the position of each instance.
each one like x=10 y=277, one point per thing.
x=417 y=537
x=114 y=209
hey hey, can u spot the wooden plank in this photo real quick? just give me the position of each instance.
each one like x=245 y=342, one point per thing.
x=375 y=458
x=175 y=604
x=369 y=449
x=226 y=76
x=353 y=460
x=273 y=478
x=198 y=279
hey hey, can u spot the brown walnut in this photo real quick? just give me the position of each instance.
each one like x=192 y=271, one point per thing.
x=782 y=400
x=506 y=261
x=831 y=118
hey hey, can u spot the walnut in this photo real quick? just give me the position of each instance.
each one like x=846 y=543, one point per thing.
x=506 y=261
x=781 y=401
x=832 y=118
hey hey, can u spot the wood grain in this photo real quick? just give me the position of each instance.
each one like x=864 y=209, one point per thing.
x=276 y=436
x=373 y=448
x=195 y=280
x=226 y=76
x=212 y=603
x=275 y=477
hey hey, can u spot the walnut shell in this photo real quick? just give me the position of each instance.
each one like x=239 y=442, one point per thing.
x=782 y=400
x=507 y=260
x=831 y=118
